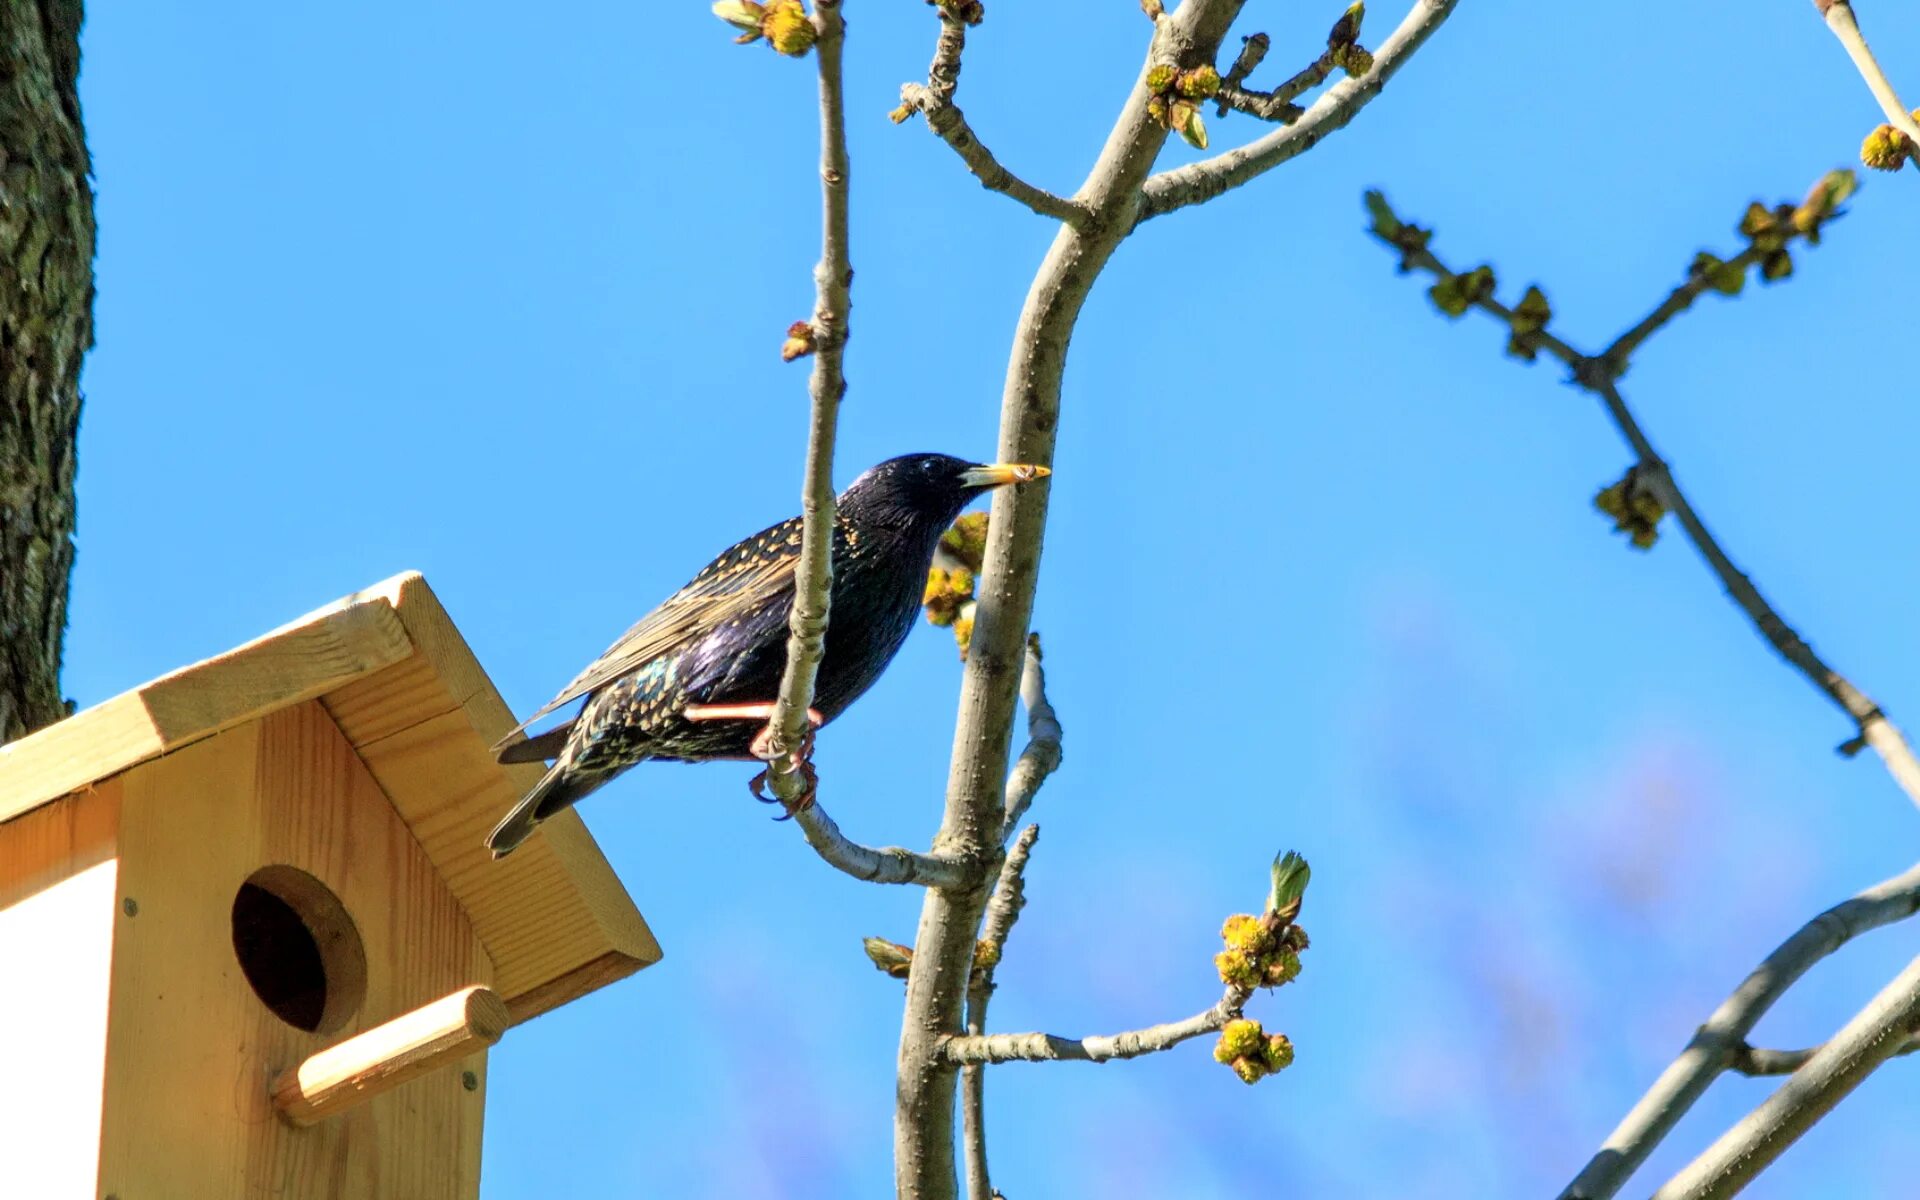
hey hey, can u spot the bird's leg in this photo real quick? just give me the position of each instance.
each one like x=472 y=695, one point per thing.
x=762 y=746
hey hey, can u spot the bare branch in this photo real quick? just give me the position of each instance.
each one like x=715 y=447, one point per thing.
x=1598 y=375
x=1204 y=180
x=1838 y=15
x=1715 y=1046
x=1874 y=1035
x=886 y=864
x=975 y=815
x=832 y=279
x=1678 y=301
x=1009 y=897
x=1752 y=1061
x=1041 y=758
x=934 y=101
x=1047 y=1047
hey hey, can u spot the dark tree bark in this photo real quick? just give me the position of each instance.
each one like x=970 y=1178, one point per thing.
x=46 y=327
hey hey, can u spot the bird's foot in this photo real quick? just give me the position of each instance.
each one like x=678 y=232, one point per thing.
x=809 y=778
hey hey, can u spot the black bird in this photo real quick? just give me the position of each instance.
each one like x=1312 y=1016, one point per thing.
x=696 y=679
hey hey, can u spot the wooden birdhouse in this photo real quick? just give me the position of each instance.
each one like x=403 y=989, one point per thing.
x=251 y=941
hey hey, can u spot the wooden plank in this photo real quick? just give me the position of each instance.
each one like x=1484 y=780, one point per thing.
x=553 y=916
x=192 y=1050
x=375 y=1062
x=58 y=903
x=312 y=656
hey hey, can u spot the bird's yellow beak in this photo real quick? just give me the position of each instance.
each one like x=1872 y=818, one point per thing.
x=993 y=475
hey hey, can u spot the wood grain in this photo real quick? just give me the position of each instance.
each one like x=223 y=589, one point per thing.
x=192 y=1051
x=386 y=1056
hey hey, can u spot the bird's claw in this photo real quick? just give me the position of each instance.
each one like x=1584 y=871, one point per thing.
x=810 y=785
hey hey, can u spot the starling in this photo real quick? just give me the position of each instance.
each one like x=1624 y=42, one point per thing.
x=696 y=679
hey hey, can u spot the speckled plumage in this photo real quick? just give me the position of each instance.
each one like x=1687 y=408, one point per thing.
x=722 y=638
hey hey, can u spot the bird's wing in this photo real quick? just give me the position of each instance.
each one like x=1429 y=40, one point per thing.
x=739 y=580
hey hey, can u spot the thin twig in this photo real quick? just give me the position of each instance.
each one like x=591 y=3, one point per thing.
x=1754 y=1061
x=934 y=100
x=885 y=864
x=1009 y=897
x=1875 y=1034
x=1597 y=374
x=1047 y=1047
x=1677 y=302
x=1838 y=15
x=1716 y=1043
x=1041 y=757
x=1201 y=181
x=832 y=279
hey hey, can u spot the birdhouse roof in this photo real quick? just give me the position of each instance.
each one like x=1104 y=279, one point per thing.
x=398 y=679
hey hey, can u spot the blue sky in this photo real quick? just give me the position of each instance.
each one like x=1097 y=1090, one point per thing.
x=496 y=296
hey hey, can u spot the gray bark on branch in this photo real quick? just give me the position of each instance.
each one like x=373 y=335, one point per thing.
x=1838 y=15
x=1201 y=181
x=1046 y=1047
x=1715 y=1046
x=974 y=820
x=1009 y=897
x=1041 y=757
x=884 y=864
x=934 y=101
x=1875 y=1034
x=833 y=280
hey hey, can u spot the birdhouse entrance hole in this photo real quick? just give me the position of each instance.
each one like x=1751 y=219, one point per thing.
x=299 y=949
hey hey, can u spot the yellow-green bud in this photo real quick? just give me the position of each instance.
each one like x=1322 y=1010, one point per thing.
x=1281 y=969
x=1347 y=29
x=1824 y=199
x=1356 y=60
x=788 y=27
x=799 y=341
x=963 y=632
x=1776 y=266
x=1243 y=932
x=1184 y=117
x=890 y=958
x=1722 y=277
x=900 y=114
x=1250 y=1070
x=986 y=955
x=1161 y=76
x=1294 y=938
x=1199 y=83
x=966 y=540
x=1157 y=111
x=1238 y=969
x=1886 y=149
x=743 y=15
x=1290 y=874
x=1635 y=510
x=1278 y=1052
x=1449 y=297
x=1240 y=1038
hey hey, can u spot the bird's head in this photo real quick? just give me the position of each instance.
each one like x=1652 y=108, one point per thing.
x=922 y=490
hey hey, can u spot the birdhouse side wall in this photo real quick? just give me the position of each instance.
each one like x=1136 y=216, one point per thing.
x=58 y=902
x=192 y=1050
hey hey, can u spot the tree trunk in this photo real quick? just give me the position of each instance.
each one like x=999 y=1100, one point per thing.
x=46 y=327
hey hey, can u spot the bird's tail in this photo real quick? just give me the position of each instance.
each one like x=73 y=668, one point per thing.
x=558 y=789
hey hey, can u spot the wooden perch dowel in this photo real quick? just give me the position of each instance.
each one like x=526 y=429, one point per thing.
x=389 y=1055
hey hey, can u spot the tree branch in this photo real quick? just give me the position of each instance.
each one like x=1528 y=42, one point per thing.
x=886 y=864
x=1047 y=1047
x=1204 y=180
x=1009 y=897
x=1716 y=1046
x=934 y=101
x=1754 y=1062
x=974 y=819
x=1874 y=1035
x=1838 y=15
x=1598 y=375
x=832 y=280
x=1041 y=758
